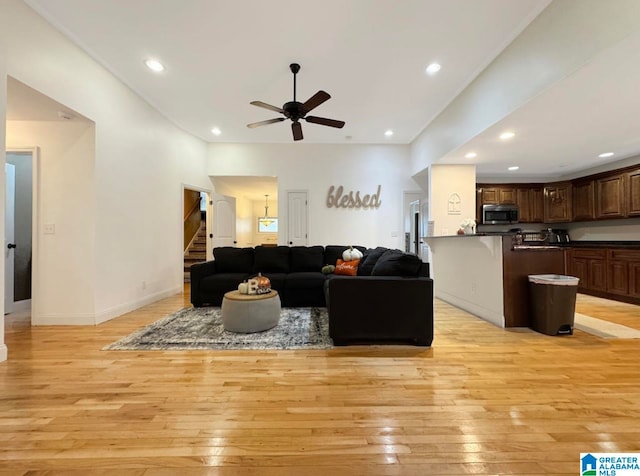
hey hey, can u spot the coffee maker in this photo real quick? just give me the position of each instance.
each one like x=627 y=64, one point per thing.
x=556 y=235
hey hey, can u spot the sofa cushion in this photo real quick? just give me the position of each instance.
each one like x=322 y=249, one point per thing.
x=305 y=280
x=333 y=253
x=369 y=260
x=396 y=263
x=307 y=258
x=233 y=260
x=271 y=259
x=222 y=282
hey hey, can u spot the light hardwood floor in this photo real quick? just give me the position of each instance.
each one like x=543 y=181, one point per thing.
x=482 y=400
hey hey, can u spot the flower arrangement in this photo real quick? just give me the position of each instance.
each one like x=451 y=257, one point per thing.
x=468 y=222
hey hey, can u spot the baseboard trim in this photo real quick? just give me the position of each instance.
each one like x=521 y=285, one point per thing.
x=102 y=316
x=121 y=309
x=3 y=352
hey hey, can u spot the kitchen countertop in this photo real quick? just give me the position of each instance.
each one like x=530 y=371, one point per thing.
x=571 y=244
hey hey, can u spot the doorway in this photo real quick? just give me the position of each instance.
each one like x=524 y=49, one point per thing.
x=19 y=228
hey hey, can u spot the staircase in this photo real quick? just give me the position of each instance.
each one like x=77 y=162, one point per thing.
x=196 y=253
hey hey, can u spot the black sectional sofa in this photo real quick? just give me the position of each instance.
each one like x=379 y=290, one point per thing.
x=390 y=300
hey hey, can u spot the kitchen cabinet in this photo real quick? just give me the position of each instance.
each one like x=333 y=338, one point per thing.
x=590 y=265
x=633 y=193
x=530 y=204
x=557 y=202
x=493 y=195
x=606 y=272
x=623 y=272
x=610 y=197
x=583 y=200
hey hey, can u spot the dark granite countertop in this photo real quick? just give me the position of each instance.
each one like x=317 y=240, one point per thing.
x=601 y=244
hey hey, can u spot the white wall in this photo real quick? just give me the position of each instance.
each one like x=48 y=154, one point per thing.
x=444 y=182
x=467 y=273
x=135 y=246
x=315 y=168
x=565 y=36
x=66 y=152
x=3 y=113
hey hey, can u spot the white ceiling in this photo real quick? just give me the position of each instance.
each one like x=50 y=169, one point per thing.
x=370 y=56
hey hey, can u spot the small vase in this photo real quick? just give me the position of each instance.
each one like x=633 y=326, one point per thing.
x=468 y=230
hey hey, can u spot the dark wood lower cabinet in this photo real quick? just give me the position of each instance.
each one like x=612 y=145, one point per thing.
x=590 y=266
x=607 y=272
x=634 y=280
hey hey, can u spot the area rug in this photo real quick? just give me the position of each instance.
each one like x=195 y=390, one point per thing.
x=605 y=329
x=201 y=329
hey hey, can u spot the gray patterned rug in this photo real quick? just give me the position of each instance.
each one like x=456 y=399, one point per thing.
x=201 y=328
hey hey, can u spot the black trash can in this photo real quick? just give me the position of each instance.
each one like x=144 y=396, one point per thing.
x=552 y=299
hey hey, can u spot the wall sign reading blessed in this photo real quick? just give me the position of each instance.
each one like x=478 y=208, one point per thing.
x=339 y=199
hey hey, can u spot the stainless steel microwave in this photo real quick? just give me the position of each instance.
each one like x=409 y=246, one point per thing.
x=499 y=214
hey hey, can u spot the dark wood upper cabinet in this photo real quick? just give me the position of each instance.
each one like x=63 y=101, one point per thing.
x=557 y=202
x=530 y=204
x=633 y=193
x=605 y=195
x=583 y=201
x=507 y=196
x=490 y=196
x=610 y=197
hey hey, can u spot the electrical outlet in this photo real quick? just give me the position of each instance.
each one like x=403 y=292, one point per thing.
x=50 y=229
x=144 y=285
x=474 y=286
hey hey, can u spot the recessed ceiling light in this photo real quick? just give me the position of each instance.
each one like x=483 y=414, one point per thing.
x=606 y=154
x=388 y=133
x=514 y=167
x=433 y=68
x=154 y=65
x=216 y=131
x=470 y=155
x=507 y=135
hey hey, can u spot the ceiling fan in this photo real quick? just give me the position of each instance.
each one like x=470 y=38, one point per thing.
x=295 y=110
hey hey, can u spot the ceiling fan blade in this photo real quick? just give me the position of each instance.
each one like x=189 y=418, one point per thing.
x=264 y=123
x=325 y=122
x=315 y=100
x=267 y=106
x=296 y=127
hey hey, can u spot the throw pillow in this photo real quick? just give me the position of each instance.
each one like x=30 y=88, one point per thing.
x=396 y=263
x=347 y=268
x=370 y=259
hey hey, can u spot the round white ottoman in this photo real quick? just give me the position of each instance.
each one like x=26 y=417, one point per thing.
x=250 y=312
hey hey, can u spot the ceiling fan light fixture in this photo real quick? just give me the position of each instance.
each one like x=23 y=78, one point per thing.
x=295 y=110
x=154 y=65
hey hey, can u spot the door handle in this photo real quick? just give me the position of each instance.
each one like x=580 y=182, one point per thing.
x=12 y=245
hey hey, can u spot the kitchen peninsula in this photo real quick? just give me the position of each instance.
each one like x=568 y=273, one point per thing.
x=487 y=275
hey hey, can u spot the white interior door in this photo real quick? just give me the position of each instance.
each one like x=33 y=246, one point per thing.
x=224 y=220
x=297 y=217
x=9 y=236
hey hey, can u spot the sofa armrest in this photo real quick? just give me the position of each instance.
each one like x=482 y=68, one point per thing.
x=199 y=271
x=380 y=308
